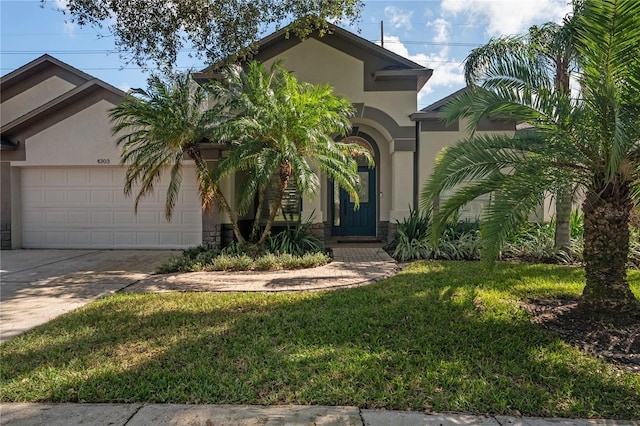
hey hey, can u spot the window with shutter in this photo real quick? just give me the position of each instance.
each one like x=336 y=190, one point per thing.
x=290 y=207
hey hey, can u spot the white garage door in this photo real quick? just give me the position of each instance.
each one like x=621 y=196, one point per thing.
x=85 y=207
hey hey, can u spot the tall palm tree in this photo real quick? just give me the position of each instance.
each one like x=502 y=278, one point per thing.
x=157 y=127
x=592 y=140
x=286 y=130
x=552 y=46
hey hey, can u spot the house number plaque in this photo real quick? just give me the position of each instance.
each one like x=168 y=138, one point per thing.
x=104 y=161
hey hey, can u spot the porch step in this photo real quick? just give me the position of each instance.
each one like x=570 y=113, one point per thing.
x=354 y=242
x=349 y=240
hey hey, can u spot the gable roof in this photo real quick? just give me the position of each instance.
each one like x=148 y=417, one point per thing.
x=57 y=104
x=89 y=85
x=437 y=105
x=389 y=66
x=36 y=66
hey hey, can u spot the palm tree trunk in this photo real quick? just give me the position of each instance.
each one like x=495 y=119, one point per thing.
x=564 y=204
x=606 y=245
x=256 y=221
x=285 y=174
x=564 y=196
x=211 y=191
x=224 y=206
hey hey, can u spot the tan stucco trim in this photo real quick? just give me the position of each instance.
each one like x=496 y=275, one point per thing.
x=385 y=120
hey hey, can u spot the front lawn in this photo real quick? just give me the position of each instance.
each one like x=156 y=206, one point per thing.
x=440 y=336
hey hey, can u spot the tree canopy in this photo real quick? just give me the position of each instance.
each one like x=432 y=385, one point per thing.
x=157 y=30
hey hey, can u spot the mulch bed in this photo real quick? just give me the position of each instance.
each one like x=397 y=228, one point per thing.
x=616 y=339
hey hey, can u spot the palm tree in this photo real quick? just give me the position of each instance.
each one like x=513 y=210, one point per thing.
x=551 y=45
x=286 y=130
x=592 y=140
x=157 y=127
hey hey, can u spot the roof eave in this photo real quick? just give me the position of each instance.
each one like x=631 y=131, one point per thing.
x=422 y=116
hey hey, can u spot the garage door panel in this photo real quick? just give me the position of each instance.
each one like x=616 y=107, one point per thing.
x=102 y=238
x=55 y=217
x=78 y=217
x=54 y=197
x=55 y=177
x=124 y=238
x=146 y=218
x=78 y=196
x=78 y=177
x=104 y=176
x=123 y=218
x=56 y=237
x=86 y=208
x=79 y=237
x=101 y=196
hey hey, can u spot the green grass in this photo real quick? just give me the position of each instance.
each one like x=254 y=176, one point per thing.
x=441 y=336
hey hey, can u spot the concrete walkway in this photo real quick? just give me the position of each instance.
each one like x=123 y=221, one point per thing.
x=39 y=285
x=241 y=415
x=351 y=267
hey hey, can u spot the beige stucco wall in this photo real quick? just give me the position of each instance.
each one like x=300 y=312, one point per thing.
x=33 y=97
x=315 y=62
x=431 y=145
x=82 y=139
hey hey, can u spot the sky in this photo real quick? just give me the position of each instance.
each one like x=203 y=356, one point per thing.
x=437 y=34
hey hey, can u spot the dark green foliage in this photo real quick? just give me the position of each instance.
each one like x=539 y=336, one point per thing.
x=459 y=241
x=295 y=239
x=192 y=259
x=156 y=30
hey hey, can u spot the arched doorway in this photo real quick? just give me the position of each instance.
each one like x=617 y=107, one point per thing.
x=346 y=219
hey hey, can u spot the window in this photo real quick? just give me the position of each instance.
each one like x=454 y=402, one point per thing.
x=291 y=205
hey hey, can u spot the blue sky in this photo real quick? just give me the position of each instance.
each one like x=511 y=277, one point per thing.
x=435 y=33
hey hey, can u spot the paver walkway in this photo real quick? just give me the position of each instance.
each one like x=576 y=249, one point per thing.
x=351 y=267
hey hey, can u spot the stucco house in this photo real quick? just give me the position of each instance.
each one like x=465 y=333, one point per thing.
x=62 y=182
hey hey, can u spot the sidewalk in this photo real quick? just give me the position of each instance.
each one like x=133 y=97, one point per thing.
x=241 y=415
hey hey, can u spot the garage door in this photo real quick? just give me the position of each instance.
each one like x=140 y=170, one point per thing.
x=85 y=207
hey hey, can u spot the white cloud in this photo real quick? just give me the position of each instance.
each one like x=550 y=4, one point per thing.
x=398 y=18
x=441 y=28
x=62 y=4
x=447 y=71
x=125 y=87
x=505 y=17
x=69 y=27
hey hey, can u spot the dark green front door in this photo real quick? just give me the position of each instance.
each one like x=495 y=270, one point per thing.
x=360 y=222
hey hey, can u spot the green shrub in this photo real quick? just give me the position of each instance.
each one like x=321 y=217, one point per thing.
x=459 y=241
x=268 y=262
x=311 y=260
x=296 y=240
x=225 y=262
x=176 y=264
x=535 y=241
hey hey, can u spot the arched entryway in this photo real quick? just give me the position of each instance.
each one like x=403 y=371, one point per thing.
x=346 y=220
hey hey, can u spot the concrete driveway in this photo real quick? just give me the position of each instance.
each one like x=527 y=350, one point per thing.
x=39 y=285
